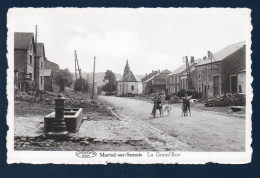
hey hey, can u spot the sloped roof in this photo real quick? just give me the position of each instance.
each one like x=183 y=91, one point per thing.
x=182 y=68
x=239 y=70
x=165 y=71
x=130 y=77
x=149 y=76
x=222 y=54
x=40 y=50
x=22 y=40
x=47 y=72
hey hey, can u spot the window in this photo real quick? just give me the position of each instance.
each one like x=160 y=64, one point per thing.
x=199 y=75
x=30 y=59
x=132 y=87
x=199 y=88
x=178 y=88
x=208 y=86
x=178 y=79
x=173 y=89
x=240 y=88
x=30 y=76
x=41 y=80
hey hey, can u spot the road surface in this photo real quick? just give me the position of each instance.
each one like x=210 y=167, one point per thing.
x=203 y=131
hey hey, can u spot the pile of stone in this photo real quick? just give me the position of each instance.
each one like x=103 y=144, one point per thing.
x=227 y=100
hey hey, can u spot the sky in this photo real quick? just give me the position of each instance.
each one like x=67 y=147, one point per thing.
x=151 y=39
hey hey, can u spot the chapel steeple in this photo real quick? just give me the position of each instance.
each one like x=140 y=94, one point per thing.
x=127 y=68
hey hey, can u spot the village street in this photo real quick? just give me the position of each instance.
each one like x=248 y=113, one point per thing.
x=203 y=131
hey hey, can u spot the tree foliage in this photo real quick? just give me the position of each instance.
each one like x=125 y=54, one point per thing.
x=78 y=85
x=63 y=78
x=110 y=77
x=111 y=84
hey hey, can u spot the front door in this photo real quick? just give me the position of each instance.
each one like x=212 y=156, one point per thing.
x=216 y=90
x=233 y=84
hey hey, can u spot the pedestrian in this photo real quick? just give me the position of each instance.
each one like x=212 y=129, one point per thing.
x=186 y=104
x=155 y=99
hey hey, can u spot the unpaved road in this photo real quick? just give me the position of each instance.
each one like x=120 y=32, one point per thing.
x=203 y=131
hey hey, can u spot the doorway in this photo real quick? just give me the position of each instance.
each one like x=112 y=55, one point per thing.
x=233 y=84
x=216 y=88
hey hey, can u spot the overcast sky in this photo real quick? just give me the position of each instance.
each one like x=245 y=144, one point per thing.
x=150 y=39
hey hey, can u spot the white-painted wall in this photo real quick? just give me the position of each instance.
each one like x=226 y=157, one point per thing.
x=126 y=87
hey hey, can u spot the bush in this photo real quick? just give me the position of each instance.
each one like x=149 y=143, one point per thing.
x=193 y=93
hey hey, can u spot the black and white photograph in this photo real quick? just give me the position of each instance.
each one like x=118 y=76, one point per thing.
x=125 y=85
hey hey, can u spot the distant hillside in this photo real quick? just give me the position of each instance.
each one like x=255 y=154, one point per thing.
x=99 y=77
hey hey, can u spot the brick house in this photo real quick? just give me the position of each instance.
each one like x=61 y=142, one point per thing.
x=218 y=73
x=39 y=66
x=177 y=80
x=156 y=81
x=24 y=59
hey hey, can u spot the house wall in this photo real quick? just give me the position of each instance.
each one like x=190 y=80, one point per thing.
x=19 y=59
x=124 y=88
x=39 y=72
x=231 y=63
x=173 y=83
x=242 y=81
x=22 y=61
x=204 y=77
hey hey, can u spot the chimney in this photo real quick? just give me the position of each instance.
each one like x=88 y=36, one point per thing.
x=209 y=54
x=146 y=74
x=192 y=59
x=152 y=71
x=204 y=58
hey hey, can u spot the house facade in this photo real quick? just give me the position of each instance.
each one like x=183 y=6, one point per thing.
x=39 y=66
x=177 y=80
x=218 y=73
x=129 y=84
x=156 y=82
x=24 y=59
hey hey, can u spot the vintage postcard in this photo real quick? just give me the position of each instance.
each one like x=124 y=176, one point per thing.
x=122 y=85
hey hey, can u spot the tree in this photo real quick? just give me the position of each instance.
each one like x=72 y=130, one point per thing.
x=78 y=85
x=63 y=78
x=111 y=84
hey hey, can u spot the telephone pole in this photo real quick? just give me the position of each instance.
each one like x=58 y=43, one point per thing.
x=79 y=70
x=93 y=85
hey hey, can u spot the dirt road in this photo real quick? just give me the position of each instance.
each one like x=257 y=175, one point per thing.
x=203 y=131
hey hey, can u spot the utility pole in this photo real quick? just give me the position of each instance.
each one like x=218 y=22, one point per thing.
x=75 y=55
x=188 y=74
x=93 y=85
x=78 y=69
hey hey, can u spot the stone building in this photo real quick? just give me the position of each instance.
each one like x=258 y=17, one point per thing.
x=156 y=82
x=223 y=71
x=24 y=59
x=177 y=80
x=129 y=84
